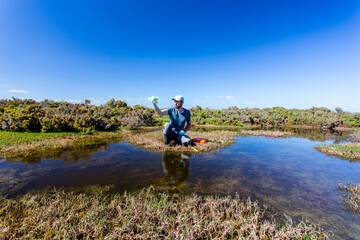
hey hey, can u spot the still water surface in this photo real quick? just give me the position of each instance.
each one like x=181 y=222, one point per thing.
x=286 y=174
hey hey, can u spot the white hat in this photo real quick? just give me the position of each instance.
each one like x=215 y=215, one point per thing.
x=178 y=98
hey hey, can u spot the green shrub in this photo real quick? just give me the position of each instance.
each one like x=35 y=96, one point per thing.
x=49 y=116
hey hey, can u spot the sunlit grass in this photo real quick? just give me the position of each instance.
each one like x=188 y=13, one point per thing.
x=17 y=138
x=163 y=119
x=143 y=215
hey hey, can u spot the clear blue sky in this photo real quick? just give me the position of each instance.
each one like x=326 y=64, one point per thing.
x=295 y=54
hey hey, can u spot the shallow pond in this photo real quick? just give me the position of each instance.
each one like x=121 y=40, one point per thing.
x=286 y=174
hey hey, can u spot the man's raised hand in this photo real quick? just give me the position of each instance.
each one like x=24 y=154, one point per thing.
x=154 y=100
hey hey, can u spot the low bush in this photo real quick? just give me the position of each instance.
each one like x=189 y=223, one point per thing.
x=50 y=116
x=316 y=117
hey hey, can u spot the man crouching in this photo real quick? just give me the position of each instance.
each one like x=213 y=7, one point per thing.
x=178 y=116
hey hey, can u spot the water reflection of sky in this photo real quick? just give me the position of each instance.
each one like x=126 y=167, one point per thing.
x=287 y=174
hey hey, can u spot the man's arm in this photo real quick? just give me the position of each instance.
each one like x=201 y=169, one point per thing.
x=188 y=125
x=160 y=112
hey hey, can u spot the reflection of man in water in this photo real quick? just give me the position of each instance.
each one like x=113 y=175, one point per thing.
x=176 y=167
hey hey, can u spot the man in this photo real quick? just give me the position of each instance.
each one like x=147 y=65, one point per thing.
x=178 y=116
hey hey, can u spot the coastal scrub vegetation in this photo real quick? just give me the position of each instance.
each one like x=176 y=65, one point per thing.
x=315 y=117
x=22 y=115
x=60 y=214
x=50 y=116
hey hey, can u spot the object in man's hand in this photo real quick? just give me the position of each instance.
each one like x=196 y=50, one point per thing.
x=182 y=133
x=154 y=100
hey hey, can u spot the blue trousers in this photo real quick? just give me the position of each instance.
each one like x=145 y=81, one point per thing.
x=170 y=133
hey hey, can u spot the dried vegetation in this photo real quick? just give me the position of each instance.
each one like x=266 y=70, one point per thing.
x=143 y=215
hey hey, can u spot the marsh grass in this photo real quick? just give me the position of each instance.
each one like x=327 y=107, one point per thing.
x=58 y=214
x=350 y=197
x=347 y=150
x=266 y=133
x=155 y=141
x=20 y=145
x=350 y=150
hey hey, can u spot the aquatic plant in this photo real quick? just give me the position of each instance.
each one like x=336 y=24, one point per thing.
x=350 y=197
x=143 y=215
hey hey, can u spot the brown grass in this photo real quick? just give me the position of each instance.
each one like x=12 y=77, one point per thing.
x=155 y=141
x=144 y=215
x=266 y=133
x=60 y=143
x=350 y=197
